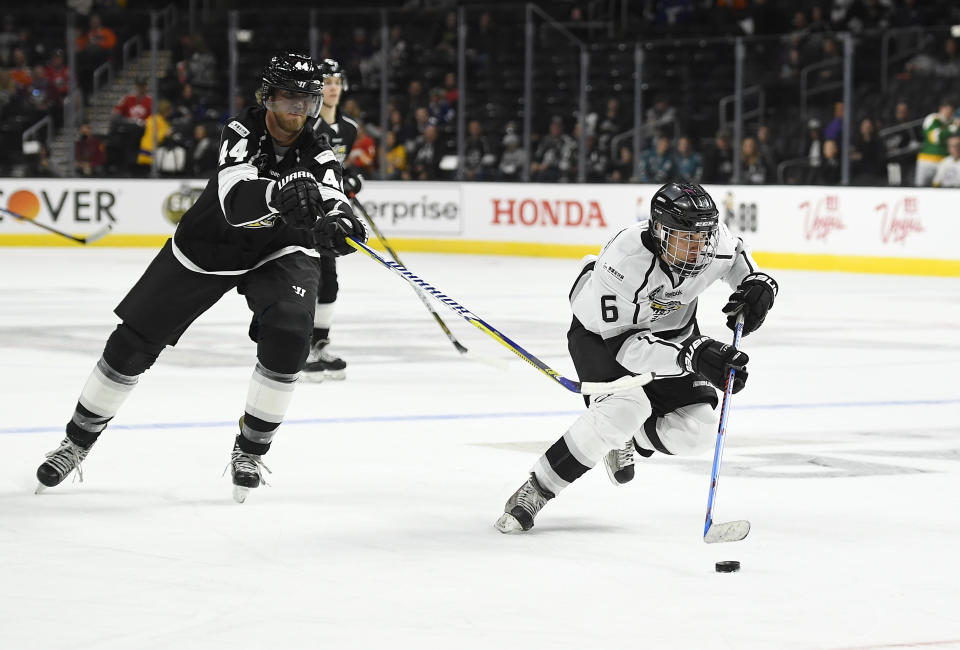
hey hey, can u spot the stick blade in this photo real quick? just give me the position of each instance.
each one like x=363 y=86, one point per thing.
x=730 y=531
x=629 y=382
x=98 y=234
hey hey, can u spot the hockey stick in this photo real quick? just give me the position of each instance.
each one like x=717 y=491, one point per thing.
x=426 y=303
x=730 y=531
x=100 y=233
x=584 y=388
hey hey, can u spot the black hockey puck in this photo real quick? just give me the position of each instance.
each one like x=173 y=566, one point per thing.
x=728 y=566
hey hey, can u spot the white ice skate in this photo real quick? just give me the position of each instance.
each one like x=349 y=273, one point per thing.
x=523 y=506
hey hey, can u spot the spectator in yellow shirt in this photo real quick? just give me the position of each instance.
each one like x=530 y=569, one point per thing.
x=156 y=122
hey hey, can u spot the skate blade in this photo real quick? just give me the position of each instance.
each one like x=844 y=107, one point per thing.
x=320 y=376
x=240 y=493
x=41 y=488
x=508 y=524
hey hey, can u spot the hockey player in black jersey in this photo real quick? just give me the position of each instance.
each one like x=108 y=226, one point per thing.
x=273 y=208
x=340 y=132
x=634 y=311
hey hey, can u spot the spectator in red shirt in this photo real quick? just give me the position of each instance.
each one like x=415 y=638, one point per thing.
x=135 y=107
x=91 y=153
x=58 y=75
x=363 y=155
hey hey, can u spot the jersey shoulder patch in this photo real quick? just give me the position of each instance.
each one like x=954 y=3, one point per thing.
x=239 y=128
x=324 y=157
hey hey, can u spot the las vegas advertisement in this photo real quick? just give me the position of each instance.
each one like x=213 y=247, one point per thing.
x=878 y=222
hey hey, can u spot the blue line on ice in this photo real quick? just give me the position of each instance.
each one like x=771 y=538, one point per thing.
x=361 y=419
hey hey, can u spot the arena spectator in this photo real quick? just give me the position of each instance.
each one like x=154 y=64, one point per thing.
x=661 y=118
x=622 y=171
x=90 y=153
x=948 y=169
x=483 y=41
x=598 y=161
x=58 y=78
x=94 y=48
x=866 y=156
x=477 y=154
x=21 y=72
x=901 y=146
x=551 y=151
x=689 y=164
x=203 y=155
x=718 y=166
x=768 y=148
x=813 y=144
x=155 y=123
x=199 y=70
x=656 y=163
x=828 y=172
x=8 y=39
x=937 y=129
x=363 y=155
x=429 y=153
x=834 y=128
x=512 y=159
x=396 y=158
x=753 y=168
x=135 y=107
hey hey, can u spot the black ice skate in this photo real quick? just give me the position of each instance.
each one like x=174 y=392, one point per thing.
x=245 y=472
x=322 y=365
x=619 y=464
x=523 y=506
x=60 y=462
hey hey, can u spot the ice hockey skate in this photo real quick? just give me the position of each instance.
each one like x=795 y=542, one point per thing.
x=619 y=463
x=322 y=364
x=59 y=463
x=245 y=472
x=523 y=506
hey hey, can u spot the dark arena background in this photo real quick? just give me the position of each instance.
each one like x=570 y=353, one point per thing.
x=498 y=144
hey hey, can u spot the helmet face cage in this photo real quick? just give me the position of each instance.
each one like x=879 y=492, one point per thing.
x=295 y=74
x=687 y=252
x=685 y=224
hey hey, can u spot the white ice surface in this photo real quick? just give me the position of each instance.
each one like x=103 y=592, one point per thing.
x=376 y=531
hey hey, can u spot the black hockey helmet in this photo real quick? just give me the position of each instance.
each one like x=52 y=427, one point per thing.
x=332 y=68
x=684 y=222
x=294 y=73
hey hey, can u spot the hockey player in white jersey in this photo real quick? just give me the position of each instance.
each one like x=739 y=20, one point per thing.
x=635 y=311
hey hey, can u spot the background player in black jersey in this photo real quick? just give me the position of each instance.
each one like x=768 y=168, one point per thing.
x=274 y=206
x=340 y=132
x=635 y=311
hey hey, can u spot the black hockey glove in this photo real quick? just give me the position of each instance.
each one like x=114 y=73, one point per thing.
x=713 y=360
x=297 y=198
x=352 y=181
x=334 y=226
x=755 y=297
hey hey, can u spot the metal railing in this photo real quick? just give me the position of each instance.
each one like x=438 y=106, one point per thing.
x=528 y=90
x=103 y=70
x=806 y=92
x=168 y=20
x=788 y=164
x=29 y=134
x=134 y=42
x=758 y=112
x=915 y=143
x=886 y=59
